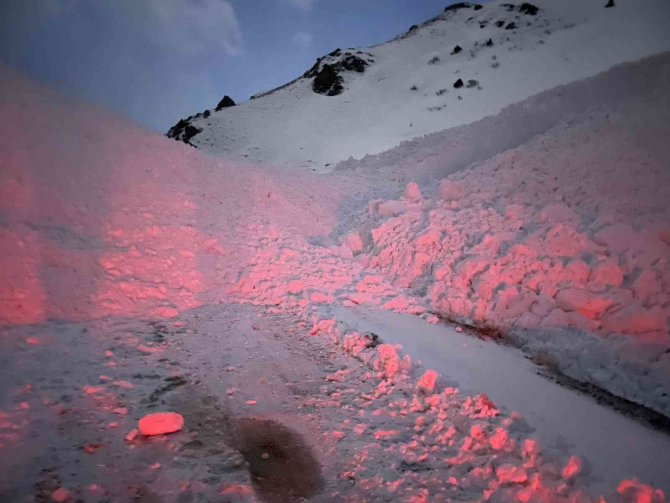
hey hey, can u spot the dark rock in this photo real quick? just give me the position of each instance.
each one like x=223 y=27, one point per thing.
x=327 y=76
x=511 y=26
x=458 y=84
x=327 y=81
x=500 y=23
x=206 y=113
x=610 y=3
x=457 y=49
x=457 y=6
x=190 y=131
x=478 y=7
x=314 y=70
x=412 y=28
x=473 y=83
x=354 y=63
x=434 y=60
x=529 y=9
x=483 y=24
x=184 y=131
x=226 y=102
x=489 y=43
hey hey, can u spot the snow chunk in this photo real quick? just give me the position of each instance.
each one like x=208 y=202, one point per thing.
x=427 y=382
x=160 y=423
x=451 y=190
x=412 y=192
x=583 y=302
x=510 y=474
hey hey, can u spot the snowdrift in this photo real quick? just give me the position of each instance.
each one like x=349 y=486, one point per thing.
x=100 y=217
x=560 y=244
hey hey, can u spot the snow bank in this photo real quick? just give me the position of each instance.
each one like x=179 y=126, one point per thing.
x=567 y=232
x=99 y=217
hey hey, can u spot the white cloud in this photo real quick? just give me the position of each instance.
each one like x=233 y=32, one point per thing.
x=303 y=4
x=189 y=27
x=303 y=39
x=152 y=60
x=193 y=26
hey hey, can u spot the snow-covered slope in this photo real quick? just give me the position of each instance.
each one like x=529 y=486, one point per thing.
x=406 y=88
x=101 y=220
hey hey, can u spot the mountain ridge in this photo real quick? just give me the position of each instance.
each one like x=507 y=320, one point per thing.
x=512 y=51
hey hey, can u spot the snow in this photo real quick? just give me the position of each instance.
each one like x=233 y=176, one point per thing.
x=160 y=423
x=129 y=259
x=611 y=445
x=566 y=41
x=536 y=243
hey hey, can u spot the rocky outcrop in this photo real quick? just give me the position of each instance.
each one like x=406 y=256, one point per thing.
x=327 y=81
x=226 y=102
x=328 y=71
x=529 y=9
x=184 y=131
x=525 y=8
x=462 y=5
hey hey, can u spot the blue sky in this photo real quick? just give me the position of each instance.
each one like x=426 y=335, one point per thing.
x=156 y=61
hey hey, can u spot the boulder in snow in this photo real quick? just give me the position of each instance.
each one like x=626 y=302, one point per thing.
x=327 y=81
x=461 y=5
x=327 y=71
x=529 y=9
x=184 y=131
x=226 y=102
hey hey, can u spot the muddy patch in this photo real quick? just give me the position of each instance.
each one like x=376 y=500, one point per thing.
x=282 y=466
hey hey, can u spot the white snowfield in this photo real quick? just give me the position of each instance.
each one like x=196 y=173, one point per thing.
x=409 y=89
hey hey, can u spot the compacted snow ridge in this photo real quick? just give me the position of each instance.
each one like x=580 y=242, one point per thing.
x=298 y=324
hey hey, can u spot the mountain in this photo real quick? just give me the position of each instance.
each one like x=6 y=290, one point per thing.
x=467 y=63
